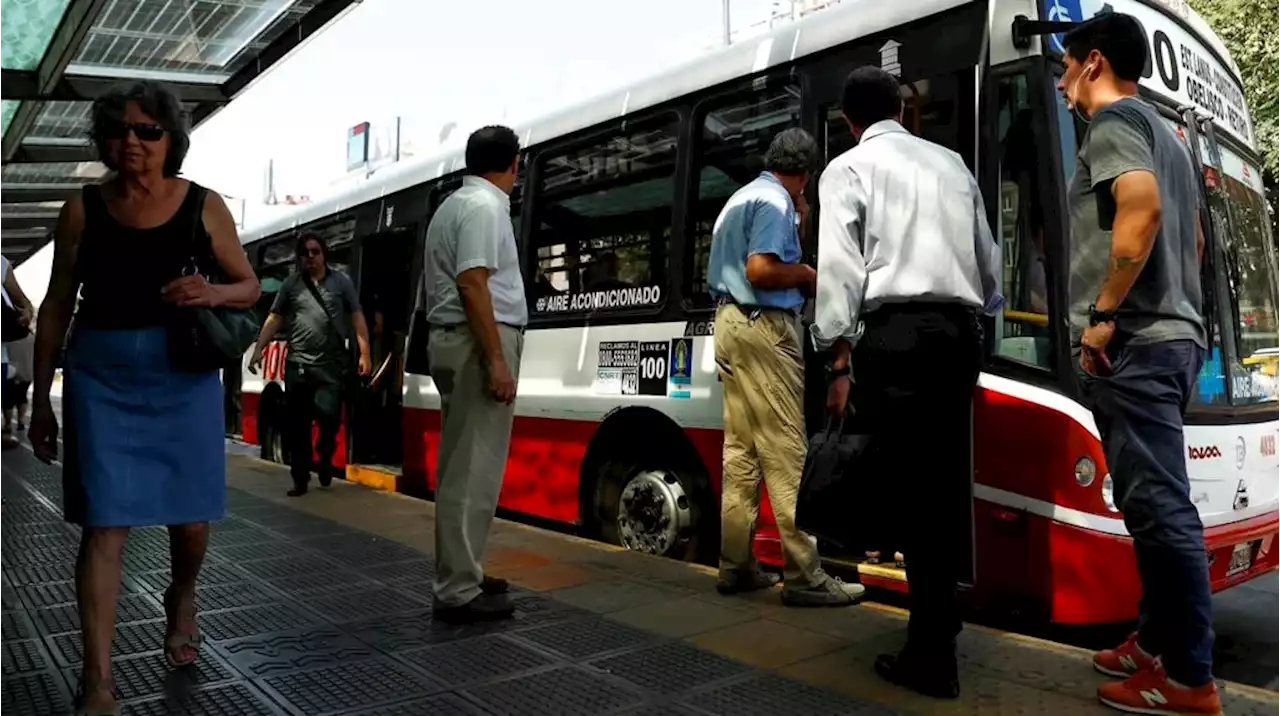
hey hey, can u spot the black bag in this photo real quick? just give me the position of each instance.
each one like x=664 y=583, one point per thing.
x=11 y=328
x=827 y=498
x=203 y=339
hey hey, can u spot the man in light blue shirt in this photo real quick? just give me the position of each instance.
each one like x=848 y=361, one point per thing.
x=759 y=283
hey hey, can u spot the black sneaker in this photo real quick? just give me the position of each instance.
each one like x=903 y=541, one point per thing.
x=937 y=676
x=748 y=581
x=484 y=608
x=494 y=585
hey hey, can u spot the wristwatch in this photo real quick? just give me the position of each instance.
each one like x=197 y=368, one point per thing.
x=833 y=373
x=1096 y=316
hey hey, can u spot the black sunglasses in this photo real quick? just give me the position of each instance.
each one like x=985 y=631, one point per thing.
x=312 y=252
x=144 y=132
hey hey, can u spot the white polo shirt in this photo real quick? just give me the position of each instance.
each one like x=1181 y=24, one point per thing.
x=472 y=229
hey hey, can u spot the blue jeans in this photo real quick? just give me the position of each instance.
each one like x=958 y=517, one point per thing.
x=1139 y=409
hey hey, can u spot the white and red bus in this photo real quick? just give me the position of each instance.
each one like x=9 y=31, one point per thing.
x=619 y=414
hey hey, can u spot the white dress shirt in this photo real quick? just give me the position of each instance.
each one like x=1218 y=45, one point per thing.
x=472 y=229
x=901 y=219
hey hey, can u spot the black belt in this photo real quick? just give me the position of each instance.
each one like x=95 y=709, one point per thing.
x=754 y=310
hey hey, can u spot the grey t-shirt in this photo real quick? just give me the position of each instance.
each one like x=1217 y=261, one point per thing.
x=1165 y=301
x=309 y=327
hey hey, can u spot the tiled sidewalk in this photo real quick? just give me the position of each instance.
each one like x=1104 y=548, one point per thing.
x=321 y=605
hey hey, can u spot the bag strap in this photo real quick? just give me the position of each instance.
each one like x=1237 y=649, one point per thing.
x=193 y=235
x=315 y=293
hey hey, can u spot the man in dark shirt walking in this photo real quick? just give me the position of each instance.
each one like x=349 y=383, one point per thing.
x=320 y=307
x=1136 y=323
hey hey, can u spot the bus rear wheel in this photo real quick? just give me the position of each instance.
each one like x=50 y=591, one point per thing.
x=649 y=510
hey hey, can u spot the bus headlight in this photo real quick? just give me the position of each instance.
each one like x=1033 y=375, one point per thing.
x=1086 y=470
x=1108 y=493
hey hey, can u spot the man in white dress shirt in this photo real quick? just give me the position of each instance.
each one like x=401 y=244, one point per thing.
x=475 y=304
x=906 y=262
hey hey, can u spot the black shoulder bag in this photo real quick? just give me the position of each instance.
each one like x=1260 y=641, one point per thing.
x=348 y=378
x=207 y=338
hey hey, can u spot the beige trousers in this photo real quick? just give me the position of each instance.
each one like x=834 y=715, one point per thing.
x=474 y=437
x=761 y=365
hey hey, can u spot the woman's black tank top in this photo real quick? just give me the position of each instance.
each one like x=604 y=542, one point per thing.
x=122 y=268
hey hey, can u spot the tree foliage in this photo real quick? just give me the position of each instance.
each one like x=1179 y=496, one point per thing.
x=1251 y=31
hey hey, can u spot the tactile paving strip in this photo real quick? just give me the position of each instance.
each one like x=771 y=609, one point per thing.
x=361 y=603
x=583 y=638
x=475 y=660
x=372 y=551
x=16 y=625
x=262 y=550
x=130 y=639
x=210 y=574
x=245 y=535
x=288 y=566
x=239 y=623
x=231 y=596
x=148 y=675
x=53 y=540
x=36 y=596
x=770 y=695
x=439 y=705
x=279 y=653
x=21 y=657
x=39 y=556
x=152 y=560
x=322 y=581
x=364 y=683
x=35 y=574
x=564 y=692
x=671 y=667
x=33 y=529
x=421 y=570
x=66 y=617
x=231 y=700
x=37 y=694
x=305 y=527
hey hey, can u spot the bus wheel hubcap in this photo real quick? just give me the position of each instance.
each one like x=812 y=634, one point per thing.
x=653 y=512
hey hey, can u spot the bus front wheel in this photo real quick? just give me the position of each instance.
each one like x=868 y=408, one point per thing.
x=649 y=510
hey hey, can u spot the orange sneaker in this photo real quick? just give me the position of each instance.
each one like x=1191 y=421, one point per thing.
x=1124 y=660
x=1151 y=692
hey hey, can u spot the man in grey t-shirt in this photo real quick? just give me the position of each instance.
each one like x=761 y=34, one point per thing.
x=1135 y=309
x=320 y=307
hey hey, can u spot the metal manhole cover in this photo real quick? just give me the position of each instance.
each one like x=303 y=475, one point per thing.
x=361 y=603
x=152 y=560
x=210 y=574
x=238 y=623
x=66 y=618
x=148 y=675
x=420 y=570
x=231 y=596
x=36 y=573
x=36 y=596
x=130 y=639
x=770 y=695
x=322 y=581
x=39 y=556
x=288 y=566
x=262 y=550
x=16 y=625
x=438 y=705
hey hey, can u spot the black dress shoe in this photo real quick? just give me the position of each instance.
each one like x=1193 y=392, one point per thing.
x=484 y=608
x=297 y=491
x=494 y=585
x=326 y=476
x=935 y=676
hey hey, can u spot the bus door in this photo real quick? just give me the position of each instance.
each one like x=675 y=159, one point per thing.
x=386 y=295
x=935 y=59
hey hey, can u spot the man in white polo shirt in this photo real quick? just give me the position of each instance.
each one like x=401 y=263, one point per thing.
x=475 y=304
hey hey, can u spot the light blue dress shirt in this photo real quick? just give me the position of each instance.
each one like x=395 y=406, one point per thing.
x=759 y=218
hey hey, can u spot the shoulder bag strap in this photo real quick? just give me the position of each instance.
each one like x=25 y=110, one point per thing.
x=195 y=245
x=315 y=293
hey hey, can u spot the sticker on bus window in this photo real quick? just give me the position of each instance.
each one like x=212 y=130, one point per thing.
x=617 y=367
x=653 y=368
x=681 y=361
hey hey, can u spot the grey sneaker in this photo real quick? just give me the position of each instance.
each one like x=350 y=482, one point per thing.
x=748 y=581
x=831 y=592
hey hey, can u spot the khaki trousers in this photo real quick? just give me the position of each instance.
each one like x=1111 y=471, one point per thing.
x=474 y=437
x=762 y=368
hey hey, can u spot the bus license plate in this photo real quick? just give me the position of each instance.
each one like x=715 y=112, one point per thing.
x=1241 y=559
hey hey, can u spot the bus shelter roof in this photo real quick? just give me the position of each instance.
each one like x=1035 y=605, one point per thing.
x=57 y=55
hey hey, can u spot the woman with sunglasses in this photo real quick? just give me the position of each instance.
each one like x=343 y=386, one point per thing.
x=144 y=443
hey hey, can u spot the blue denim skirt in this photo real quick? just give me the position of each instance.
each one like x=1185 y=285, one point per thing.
x=143 y=442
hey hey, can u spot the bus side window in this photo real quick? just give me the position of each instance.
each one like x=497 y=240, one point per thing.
x=735 y=136
x=602 y=227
